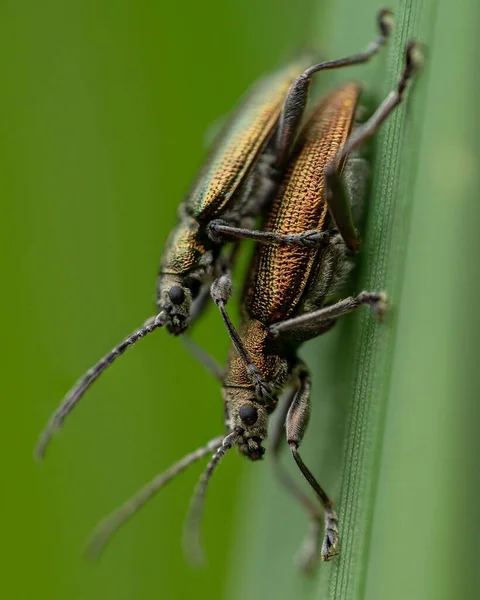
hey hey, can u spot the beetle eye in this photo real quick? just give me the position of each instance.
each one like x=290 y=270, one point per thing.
x=248 y=413
x=176 y=294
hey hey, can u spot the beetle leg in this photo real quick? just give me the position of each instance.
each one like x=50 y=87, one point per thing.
x=221 y=291
x=337 y=198
x=354 y=177
x=308 y=555
x=296 y=424
x=220 y=231
x=297 y=96
x=317 y=319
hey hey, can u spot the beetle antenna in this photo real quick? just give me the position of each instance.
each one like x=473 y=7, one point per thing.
x=106 y=529
x=204 y=358
x=192 y=545
x=86 y=381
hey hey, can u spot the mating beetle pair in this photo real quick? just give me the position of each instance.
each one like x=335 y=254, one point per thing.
x=234 y=187
x=263 y=166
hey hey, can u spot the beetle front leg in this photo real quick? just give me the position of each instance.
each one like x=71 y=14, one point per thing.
x=318 y=319
x=296 y=424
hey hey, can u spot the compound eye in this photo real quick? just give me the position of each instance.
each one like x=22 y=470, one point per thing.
x=249 y=414
x=176 y=294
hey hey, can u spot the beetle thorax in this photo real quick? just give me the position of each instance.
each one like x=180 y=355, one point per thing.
x=186 y=264
x=264 y=354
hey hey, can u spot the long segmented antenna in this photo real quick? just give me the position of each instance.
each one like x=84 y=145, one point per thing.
x=104 y=532
x=82 y=385
x=192 y=545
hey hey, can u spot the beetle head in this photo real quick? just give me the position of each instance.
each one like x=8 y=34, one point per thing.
x=245 y=415
x=174 y=301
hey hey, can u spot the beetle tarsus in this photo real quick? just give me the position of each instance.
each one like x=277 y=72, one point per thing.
x=378 y=303
x=310 y=552
x=330 y=542
x=385 y=22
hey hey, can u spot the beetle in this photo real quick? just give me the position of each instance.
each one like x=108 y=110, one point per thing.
x=289 y=298
x=232 y=189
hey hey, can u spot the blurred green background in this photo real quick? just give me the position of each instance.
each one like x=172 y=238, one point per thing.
x=105 y=110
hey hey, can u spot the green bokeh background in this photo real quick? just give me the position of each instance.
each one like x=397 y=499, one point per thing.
x=105 y=111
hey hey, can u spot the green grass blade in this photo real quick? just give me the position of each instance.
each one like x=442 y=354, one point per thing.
x=389 y=398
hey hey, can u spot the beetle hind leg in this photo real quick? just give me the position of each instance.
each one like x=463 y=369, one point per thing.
x=308 y=555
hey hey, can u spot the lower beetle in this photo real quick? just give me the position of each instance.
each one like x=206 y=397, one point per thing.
x=290 y=297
